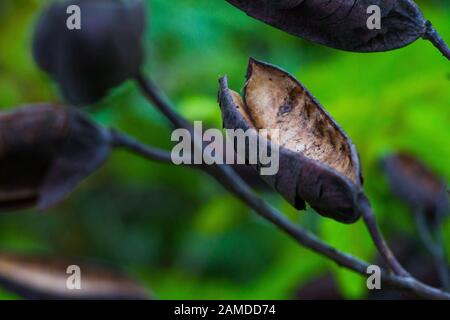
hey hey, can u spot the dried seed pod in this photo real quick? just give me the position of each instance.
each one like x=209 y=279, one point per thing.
x=420 y=188
x=105 y=52
x=317 y=161
x=45 y=152
x=343 y=24
x=35 y=277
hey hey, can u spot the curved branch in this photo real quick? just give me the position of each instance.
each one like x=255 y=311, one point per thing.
x=378 y=239
x=226 y=176
x=435 y=248
x=152 y=92
x=124 y=141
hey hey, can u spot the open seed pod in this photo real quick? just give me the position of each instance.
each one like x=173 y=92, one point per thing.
x=317 y=161
x=342 y=24
x=45 y=152
x=41 y=277
x=417 y=185
x=104 y=53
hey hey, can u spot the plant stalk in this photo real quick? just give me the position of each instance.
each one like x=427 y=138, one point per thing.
x=435 y=247
x=378 y=239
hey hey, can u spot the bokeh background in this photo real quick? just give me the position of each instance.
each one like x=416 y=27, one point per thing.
x=179 y=232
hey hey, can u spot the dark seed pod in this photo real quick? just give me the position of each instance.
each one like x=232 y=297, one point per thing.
x=36 y=277
x=342 y=24
x=104 y=53
x=317 y=161
x=415 y=184
x=45 y=152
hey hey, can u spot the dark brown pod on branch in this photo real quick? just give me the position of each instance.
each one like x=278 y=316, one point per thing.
x=418 y=186
x=102 y=54
x=34 y=277
x=318 y=163
x=347 y=24
x=45 y=152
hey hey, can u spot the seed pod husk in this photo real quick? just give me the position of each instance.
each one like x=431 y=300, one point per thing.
x=45 y=152
x=46 y=277
x=417 y=185
x=104 y=53
x=318 y=163
x=342 y=24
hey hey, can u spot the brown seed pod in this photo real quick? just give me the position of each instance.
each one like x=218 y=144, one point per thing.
x=417 y=185
x=41 y=277
x=317 y=161
x=342 y=24
x=45 y=152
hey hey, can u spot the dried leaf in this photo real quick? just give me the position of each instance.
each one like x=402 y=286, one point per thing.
x=417 y=185
x=104 y=53
x=318 y=162
x=342 y=24
x=45 y=152
x=34 y=277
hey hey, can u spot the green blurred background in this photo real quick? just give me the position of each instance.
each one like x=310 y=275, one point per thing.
x=176 y=230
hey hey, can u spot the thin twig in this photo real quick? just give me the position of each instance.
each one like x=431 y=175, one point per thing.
x=433 y=36
x=121 y=140
x=151 y=91
x=380 y=243
x=435 y=247
x=225 y=175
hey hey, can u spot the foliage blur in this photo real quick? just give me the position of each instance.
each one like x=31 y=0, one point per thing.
x=175 y=229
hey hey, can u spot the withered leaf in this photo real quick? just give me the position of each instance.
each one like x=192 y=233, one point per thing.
x=342 y=24
x=45 y=277
x=417 y=185
x=318 y=162
x=45 y=152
